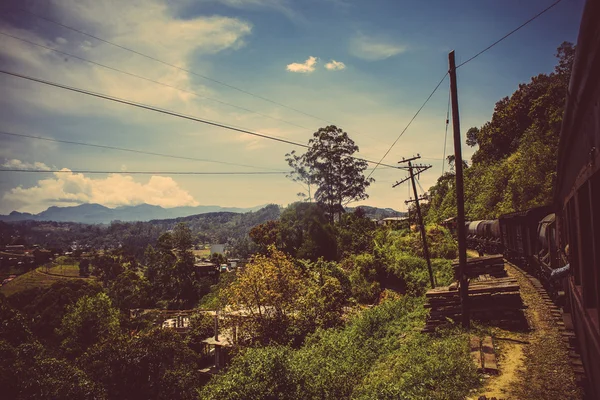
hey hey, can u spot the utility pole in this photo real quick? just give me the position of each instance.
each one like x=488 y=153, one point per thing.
x=460 y=197
x=419 y=168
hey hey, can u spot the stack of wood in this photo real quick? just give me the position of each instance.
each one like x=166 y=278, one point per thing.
x=490 y=265
x=491 y=299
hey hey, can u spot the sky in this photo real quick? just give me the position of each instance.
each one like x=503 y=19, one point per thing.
x=279 y=67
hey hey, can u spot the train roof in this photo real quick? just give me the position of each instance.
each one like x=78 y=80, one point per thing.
x=579 y=137
x=549 y=218
x=542 y=209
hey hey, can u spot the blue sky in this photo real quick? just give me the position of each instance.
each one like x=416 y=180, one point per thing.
x=366 y=66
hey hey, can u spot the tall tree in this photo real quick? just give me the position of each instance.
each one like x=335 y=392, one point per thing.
x=329 y=164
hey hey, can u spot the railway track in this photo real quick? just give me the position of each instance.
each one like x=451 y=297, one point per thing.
x=547 y=320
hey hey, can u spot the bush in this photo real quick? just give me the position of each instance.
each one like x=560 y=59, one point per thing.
x=331 y=364
x=423 y=367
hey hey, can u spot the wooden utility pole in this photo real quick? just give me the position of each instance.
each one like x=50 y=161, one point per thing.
x=460 y=197
x=419 y=168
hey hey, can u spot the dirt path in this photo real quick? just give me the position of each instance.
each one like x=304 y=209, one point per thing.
x=533 y=364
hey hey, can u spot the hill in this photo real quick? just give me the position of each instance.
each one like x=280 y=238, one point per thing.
x=99 y=214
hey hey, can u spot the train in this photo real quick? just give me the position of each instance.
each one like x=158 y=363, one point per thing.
x=567 y=230
x=526 y=238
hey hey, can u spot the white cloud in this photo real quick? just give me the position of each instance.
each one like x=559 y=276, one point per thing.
x=374 y=49
x=335 y=65
x=18 y=164
x=149 y=28
x=112 y=191
x=305 y=67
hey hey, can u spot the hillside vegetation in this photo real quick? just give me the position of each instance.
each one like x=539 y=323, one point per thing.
x=514 y=167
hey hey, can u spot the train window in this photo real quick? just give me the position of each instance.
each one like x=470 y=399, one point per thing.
x=573 y=244
x=586 y=251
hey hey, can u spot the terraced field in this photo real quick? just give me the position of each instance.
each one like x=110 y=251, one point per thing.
x=39 y=278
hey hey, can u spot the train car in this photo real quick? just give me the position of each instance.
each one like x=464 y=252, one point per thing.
x=519 y=235
x=577 y=193
x=549 y=258
x=484 y=234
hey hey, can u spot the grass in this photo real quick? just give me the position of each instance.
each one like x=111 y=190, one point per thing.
x=204 y=253
x=66 y=270
x=39 y=278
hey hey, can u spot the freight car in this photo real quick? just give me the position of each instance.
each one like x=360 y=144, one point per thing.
x=484 y=235
x=520 y=237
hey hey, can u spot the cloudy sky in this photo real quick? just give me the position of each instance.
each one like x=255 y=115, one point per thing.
x=366 y=66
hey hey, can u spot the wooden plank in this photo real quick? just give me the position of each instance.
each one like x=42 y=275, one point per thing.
x=476 y=352
x=505 y=287
x=482 y=260
x=489 y=357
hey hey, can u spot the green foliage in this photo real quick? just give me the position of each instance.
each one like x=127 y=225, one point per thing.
x=84 y=267
x=182 y=237
x=265 y=235
x=362 y=273
x=355 y=233
x=155 y=364
x=170 y=270
x=377 y=354
x=201 y=326
x=45 y=308
x=13 y=328
x=400 y=254
x=514 y=167
x=306 y=232
x=130 y=290
x=423 y=367
x=257 y=373
x=27 y=372
x=91 y=320
x=328 y=163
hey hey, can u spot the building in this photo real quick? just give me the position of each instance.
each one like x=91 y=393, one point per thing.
x=204 y=268
x=217 y=248
x=394 y=222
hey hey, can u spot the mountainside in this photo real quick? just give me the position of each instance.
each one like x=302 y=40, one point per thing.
x=378 y=213
x=98 y=214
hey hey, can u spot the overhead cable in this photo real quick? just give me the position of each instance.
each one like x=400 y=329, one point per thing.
x=170 y=64
x=67 y=171
x=510 y=33
x=169 y=112
x=407 y=125
x=134 y=150
x=151 y=80
x=446 y=133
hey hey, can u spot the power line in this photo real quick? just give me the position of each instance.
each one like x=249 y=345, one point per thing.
x=190 y=72
x=151 y=108
x=172 y=65
x=133 y=150
x=150 y=80
x=407 y=125
x=68 y=171
x=171 y=113
x=446 y=134
x=510 y=33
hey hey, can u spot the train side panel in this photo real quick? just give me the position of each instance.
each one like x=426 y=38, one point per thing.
x=577 y=194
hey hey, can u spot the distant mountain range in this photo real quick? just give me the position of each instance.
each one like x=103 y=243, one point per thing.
x=99 y=214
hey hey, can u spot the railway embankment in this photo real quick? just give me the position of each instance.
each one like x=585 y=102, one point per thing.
x=534 y=362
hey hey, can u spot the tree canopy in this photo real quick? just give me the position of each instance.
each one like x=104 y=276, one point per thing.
x=329 y=163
